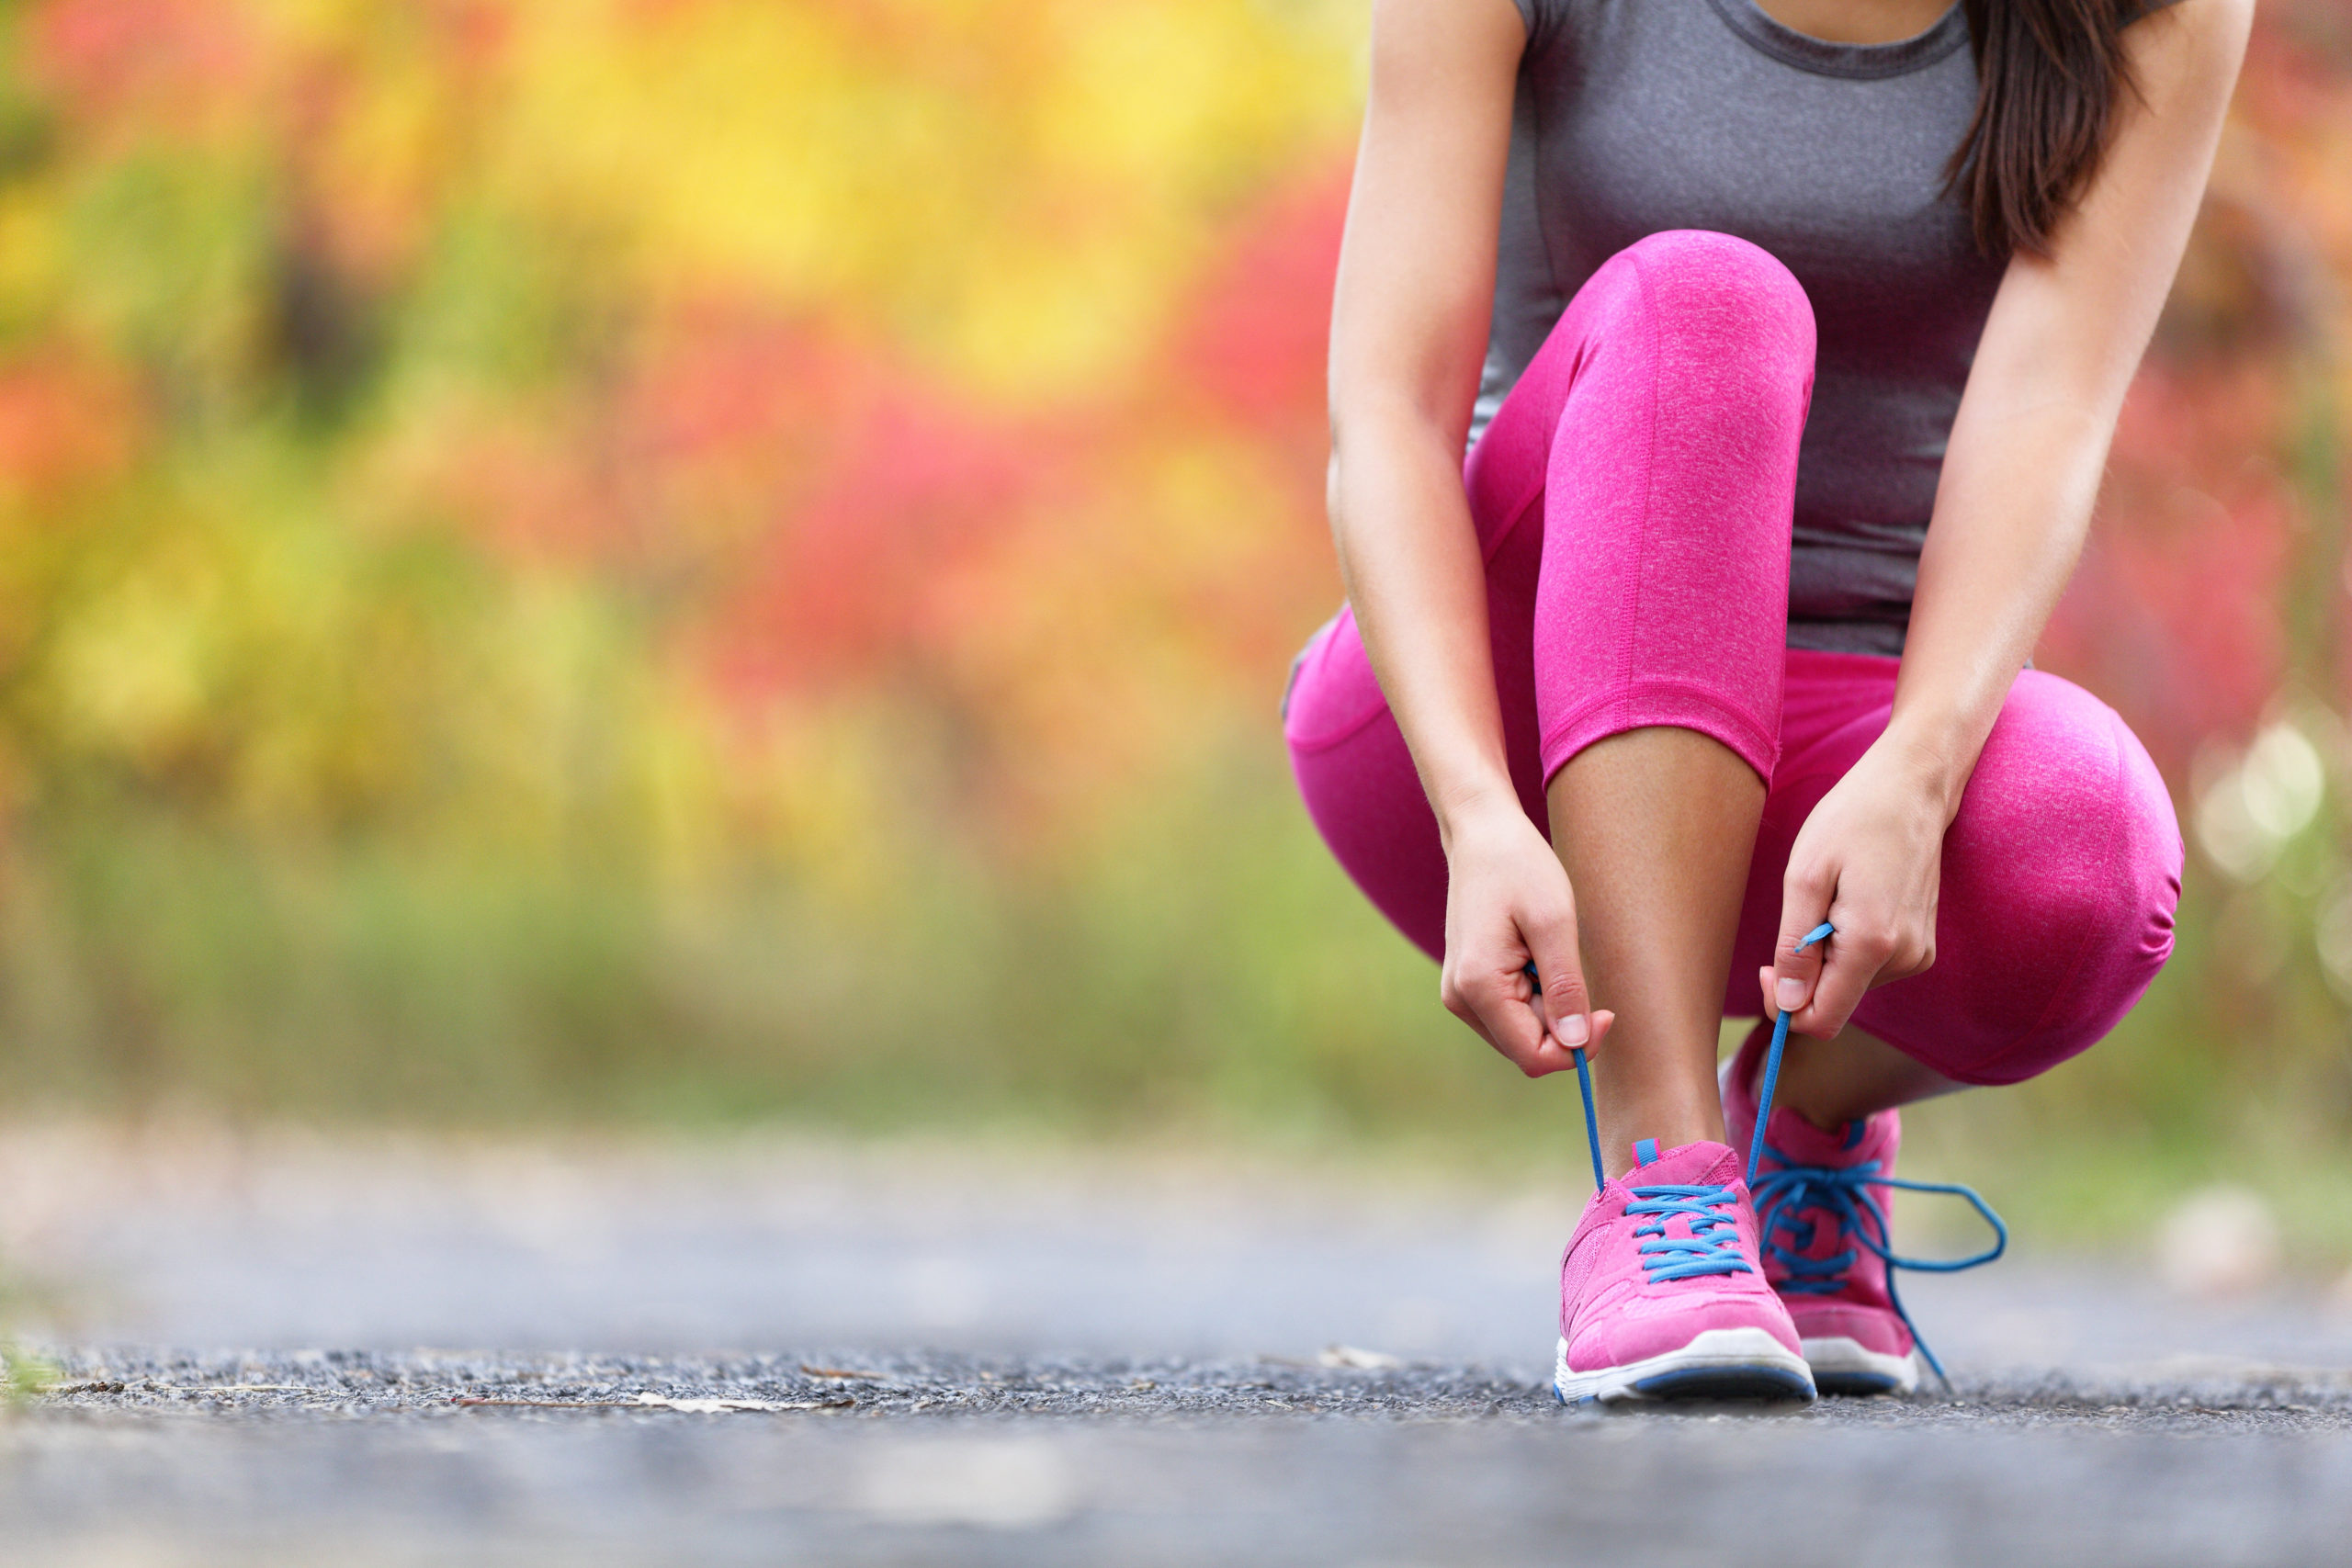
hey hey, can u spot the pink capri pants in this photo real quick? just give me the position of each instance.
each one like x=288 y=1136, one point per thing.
x=1633 y=499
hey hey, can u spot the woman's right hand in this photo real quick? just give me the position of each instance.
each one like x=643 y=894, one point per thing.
x=1507 y=903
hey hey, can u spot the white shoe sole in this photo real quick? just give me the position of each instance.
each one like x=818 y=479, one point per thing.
x=1721 y=1363
x=1842 y=1366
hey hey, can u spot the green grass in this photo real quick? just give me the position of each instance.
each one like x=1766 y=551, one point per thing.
x=23 y=1376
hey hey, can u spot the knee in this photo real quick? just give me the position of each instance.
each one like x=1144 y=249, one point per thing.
x=1728 y=292
x=2067 y=854
x=2067 y=802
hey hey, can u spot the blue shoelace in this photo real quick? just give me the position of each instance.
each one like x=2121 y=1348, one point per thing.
x=1840 y=1192
x=1713 y=1244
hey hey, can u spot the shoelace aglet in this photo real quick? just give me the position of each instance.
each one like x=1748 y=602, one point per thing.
x=1918 y=1341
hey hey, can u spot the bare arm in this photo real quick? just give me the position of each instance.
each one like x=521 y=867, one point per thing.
x=2013 y=505
x=1408 y=333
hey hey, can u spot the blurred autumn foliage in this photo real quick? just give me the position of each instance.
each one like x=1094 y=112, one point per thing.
x=729 y=556
x=376 y=365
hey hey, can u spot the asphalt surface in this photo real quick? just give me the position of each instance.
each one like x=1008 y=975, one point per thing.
x=985 y=1357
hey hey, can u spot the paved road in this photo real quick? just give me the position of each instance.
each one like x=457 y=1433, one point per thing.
x=1121 y=1359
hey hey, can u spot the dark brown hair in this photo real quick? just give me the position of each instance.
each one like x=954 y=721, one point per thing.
x=2050 y=75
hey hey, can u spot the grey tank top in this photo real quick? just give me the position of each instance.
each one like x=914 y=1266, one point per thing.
x=1636 y=116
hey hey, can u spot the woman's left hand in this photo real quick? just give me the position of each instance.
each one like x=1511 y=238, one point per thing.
x=1869 y=860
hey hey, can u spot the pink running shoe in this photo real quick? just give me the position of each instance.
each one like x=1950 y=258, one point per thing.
x=1823 y=1234
x=1661 y=1293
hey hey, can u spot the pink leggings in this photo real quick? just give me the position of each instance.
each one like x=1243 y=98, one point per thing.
x=1633 y=500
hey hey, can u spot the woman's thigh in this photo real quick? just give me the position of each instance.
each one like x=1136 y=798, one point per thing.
x=2061 y=873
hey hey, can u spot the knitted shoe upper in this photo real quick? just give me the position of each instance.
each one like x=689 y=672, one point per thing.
x=1662 y=1254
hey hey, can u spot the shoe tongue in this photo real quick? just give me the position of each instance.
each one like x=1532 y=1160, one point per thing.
x=1692 y=1165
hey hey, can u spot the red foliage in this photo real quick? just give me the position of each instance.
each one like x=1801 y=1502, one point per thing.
x=1258 y=333
x=168 y=63
x=64 y=419
x=842 y=590
x=2175 y=616
x=916 y=538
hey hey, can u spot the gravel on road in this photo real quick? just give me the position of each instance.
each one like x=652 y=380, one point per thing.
x=1129 y=1363
x=202 y=1461
x=193 y=1462
x=1345 y=1384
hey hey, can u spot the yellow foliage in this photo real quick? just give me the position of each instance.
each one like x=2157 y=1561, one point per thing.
x=1009 y=188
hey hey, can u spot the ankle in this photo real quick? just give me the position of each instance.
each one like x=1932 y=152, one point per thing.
x=1817 y=1105
x=1668 y=1130
x=1819 y=1120
x=1800 y=1090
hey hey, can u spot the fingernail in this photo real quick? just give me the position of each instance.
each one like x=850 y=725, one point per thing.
x=1790 y=992
x=1575 y=1029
